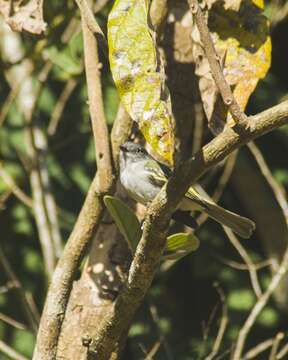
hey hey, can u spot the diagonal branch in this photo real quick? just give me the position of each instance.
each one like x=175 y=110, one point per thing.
x=32 y=316
x=258 y=307
x=150 y=247
x=10 y=352
x=214 y=62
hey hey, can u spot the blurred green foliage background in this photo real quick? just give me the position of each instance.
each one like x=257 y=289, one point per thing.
x=183 y=307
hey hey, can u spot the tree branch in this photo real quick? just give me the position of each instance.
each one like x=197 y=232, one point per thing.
x=214 y=62
x=258 y=307
x=151 y=245
x=87 y=15
x=32 y=316
x=245 y=256
x=89 y=217
x=16 y=190
x=13 y=354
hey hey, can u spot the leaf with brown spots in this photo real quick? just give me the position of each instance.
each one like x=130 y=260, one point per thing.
x=139 y=75
x=242 y=40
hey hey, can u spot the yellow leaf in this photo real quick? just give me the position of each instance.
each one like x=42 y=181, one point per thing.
x=139 y=76
x=242 y=40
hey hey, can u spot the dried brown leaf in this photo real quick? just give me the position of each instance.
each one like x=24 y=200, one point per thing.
x=28 y=17
x=242 y=41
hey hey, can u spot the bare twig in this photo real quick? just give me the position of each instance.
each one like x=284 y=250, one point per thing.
x=283 y=352
x=8 y=102
x=222 y=326
x=245 y=256
x=162 y=340
x=153 y=351
x=275 y=345
x=22 y=295
x=206 y=327
x=15 y=188
x=258 y=307
x=92 y=24
x=214 y=62
x=8 y=320
x=96 y=107
x=60 y=105
x=89 y=217
x=258 y=349
x=13 y=354
x=153 y=240
x=277 y=189
x=43 y=201
x=27 y=101
x=239 y=266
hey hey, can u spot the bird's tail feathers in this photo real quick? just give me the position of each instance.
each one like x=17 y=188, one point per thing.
x=239 y=224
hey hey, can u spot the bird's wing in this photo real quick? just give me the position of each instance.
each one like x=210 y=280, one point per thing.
x=157 y=173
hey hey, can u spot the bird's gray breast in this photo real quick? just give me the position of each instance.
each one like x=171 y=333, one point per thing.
x=136 y=180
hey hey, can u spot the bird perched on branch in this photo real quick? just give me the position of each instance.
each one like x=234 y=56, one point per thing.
x=143 y=177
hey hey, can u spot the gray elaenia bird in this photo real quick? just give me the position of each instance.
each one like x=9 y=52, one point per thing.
x=143 y=177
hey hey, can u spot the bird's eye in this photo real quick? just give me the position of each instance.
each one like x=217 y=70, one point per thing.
x=139 y=151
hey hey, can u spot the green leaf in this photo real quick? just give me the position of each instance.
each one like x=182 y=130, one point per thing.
x=179 y=245
x=64 y=60
x=241 y=300
x=125 y=219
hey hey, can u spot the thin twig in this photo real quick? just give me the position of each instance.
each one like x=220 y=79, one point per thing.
x=214 y=62
x=283 y=352
x=245 y=256
x=22 y=295
x=15 y=188
x=8 y=320
x=277 y=189
x=60 y=105
x=243 y=253
x=96 y=107
x=222 y=326
x=153 y=351
x=8 y=102
x=43 y=200
x=13 y=354
x=258 y=307
x=92 y=24
x=206 y=329
x=258 y=349
x=156 y=320
x=275 y=345
x=238 y=266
